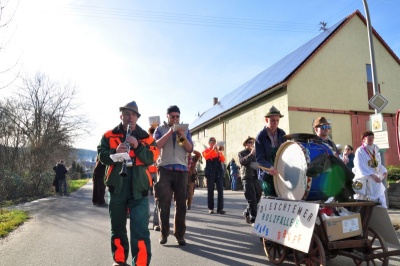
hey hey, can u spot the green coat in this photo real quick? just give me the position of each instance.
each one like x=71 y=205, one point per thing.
x=144 y=155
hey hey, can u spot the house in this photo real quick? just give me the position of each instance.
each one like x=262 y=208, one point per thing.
x=329 y=76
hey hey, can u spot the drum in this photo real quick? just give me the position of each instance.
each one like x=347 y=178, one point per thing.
x=291 y=161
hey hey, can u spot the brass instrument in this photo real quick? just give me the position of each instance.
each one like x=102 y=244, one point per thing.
x=126 y=163
x=180 y=140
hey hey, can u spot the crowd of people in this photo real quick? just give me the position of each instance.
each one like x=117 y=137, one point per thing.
x=163 y=163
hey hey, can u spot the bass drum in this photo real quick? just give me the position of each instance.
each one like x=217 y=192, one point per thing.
x=291 y=161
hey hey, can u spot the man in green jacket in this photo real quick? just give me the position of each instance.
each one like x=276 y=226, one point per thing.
x=128 y=184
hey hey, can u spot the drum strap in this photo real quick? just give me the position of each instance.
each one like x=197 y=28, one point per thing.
x=273 y=154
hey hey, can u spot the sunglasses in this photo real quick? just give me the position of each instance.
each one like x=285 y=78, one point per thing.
x=174 y=116
x=325 y=127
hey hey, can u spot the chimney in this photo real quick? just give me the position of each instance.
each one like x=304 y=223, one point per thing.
x=215 y=100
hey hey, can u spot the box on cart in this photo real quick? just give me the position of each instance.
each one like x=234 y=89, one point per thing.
x=343 y=226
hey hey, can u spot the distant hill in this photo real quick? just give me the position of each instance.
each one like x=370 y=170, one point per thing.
x=86 y=155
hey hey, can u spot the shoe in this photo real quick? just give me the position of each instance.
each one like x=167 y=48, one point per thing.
x=210 y=211
x=248 y=219
x=221 y=212
x=156 y=228
x=181 y=241
x=120 y=264
x=188 y=207
x=396 y=227
x=163 y=240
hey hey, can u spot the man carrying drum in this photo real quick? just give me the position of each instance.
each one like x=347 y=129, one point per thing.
x=268 y=141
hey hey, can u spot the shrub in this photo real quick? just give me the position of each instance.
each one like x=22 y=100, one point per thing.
x=393 y=172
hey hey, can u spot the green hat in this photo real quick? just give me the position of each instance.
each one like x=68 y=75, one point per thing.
x=273 y=111
x=131 y=106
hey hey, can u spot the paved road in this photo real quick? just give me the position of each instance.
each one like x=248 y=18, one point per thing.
x=71 y=231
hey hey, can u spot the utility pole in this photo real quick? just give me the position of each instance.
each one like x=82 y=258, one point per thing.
x=371 y=50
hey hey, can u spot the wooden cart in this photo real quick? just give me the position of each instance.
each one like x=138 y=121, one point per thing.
x=369 y=246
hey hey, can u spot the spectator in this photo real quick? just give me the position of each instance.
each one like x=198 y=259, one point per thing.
x=233 y=169
x=61 y=171
x=348 y=156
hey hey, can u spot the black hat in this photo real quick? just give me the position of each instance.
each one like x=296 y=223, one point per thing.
x=173 y=108
x=131 y=106
x=273 y=111
x=211 y=139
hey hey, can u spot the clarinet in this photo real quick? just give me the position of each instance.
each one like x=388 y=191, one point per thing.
x=126 y=163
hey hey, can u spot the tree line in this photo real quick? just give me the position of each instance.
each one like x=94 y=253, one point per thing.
x=38 y=125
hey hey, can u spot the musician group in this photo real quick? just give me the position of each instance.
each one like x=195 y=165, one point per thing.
x=170 y=148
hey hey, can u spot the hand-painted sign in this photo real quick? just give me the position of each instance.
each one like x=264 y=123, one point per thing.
x=287 y=222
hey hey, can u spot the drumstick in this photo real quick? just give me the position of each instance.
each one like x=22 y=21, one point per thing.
x=265 y=168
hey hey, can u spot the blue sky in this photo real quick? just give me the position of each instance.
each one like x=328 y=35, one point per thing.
x=168 y=52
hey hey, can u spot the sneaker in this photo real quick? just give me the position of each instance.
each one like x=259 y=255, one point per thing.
x=248 y=219
x=221 y=212
x=181 y=241
x=163 y=240
x=120 y=264
x=156 y=228
x=210 y=211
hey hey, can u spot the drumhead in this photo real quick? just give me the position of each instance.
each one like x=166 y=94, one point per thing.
x=291 y=163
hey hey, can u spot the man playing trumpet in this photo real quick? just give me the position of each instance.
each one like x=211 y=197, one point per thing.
x=173 y=174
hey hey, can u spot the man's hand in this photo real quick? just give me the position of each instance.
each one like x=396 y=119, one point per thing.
x=376 y=178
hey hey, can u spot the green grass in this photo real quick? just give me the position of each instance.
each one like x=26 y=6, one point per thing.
x=74 y=185
x=9 y=220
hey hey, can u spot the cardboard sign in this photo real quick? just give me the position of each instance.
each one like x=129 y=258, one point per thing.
x=290 y=223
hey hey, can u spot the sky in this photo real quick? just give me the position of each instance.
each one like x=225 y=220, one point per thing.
x=164 y=52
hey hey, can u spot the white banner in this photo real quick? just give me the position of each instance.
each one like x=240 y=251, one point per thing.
x=290 y=223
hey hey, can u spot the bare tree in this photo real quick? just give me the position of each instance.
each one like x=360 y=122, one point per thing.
x=7 y=12
x=37 y=127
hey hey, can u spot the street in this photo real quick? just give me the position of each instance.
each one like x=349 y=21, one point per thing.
x=71 y=231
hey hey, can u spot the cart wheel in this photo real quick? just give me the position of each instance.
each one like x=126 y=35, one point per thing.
x=315 y=255
x=375 y=246
x=275 y=252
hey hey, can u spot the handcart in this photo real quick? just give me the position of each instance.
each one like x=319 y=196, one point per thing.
x=368 y=246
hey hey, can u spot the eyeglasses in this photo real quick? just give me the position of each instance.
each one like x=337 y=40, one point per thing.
x=325 y=127
x=250 y=142
x=174 y=116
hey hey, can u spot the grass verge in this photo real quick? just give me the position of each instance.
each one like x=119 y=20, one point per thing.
x=11 y=219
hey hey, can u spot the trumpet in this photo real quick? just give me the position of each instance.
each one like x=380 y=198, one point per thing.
x=180 y=140
x=126 y=163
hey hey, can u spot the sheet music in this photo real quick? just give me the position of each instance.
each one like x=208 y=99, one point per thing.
x=120 y=157
x=181 y=126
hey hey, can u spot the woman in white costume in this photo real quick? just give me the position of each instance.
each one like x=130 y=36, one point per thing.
x=369 y=172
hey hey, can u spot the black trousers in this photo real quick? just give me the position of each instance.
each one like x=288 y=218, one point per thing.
x=252 y=193
x=99 y=189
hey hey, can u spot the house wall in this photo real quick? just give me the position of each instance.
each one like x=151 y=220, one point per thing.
x=335 y=77
x=236 y=127
x=301 y=122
